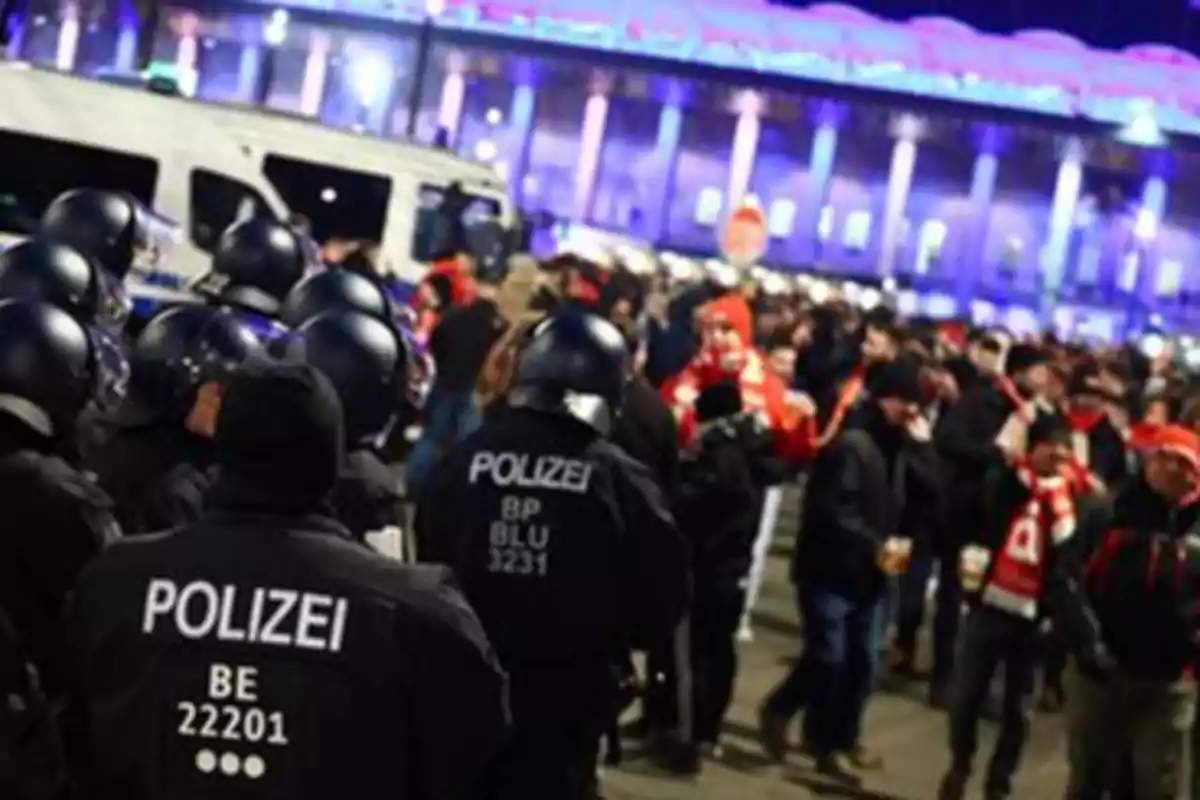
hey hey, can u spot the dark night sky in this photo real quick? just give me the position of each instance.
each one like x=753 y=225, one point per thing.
x=1109 y=24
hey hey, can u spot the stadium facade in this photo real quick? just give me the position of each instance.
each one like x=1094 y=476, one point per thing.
x=1026 y=172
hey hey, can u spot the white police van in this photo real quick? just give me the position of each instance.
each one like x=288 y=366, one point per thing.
x=203 y=166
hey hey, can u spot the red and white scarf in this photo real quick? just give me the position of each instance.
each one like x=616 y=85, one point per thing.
x=1046 y=519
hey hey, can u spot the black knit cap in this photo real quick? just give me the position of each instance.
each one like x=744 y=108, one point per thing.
x=279 y=432
x=899 y=379
x=1048 y=426
x=1023 y=356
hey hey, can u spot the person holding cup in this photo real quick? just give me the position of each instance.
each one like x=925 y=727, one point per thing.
x=1008 y=572
x=849 y=550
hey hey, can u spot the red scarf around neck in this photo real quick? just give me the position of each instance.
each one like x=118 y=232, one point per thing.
x=1046 y=519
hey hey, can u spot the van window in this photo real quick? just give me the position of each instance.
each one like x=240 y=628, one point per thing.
x=340 y=203
x=37 y=169
x=217 y=201
x=429 y=232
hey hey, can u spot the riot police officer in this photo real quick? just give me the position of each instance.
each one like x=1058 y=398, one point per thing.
x=59 y=274
x=110 y=229
x=255 y=263
x=55 y=519
x=364 y=358
x=334 y=289
x=54 y=272
x=155 y=461
x=338 y=289
x=564 y=546
x=260 y=652
x=101 y=224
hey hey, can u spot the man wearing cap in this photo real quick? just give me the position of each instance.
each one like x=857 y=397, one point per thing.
x=1014 y=571
x=1132 y=696
x=983 y=429
x=850 y=544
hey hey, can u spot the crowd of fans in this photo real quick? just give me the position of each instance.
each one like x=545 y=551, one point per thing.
x=1042 y=486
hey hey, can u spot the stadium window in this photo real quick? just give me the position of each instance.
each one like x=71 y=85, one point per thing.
x=340 y=203
x=38 y=169
x=930 y=245
x=857 y=231
x=215 y=202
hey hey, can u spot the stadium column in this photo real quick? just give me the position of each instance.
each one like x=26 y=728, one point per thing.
x=1062 y=220
x=827 y=117
x=521 y=111
x=316 y=71
x=250 y=66
x=187 y=53
x=742 y=153
x=452 y=99
x=591 y=146
x=989 y=141
x=1157 y=167
x=67 y=46
x=899 y=185
x=125 y=58
x=666 y=154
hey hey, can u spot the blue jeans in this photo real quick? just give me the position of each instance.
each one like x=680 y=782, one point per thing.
x=841 y=656
x=449 y=418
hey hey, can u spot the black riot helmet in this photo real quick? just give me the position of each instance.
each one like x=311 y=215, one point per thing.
x=255 y=264
x=366 y=361
x=53 y=272
x=47 y=366
x=576 y=364
x=334 y=290
x=177 y=352
x=101 y=224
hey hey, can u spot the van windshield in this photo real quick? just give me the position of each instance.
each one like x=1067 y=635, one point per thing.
x=37 y=169
x=429 y=232
x=337 y=203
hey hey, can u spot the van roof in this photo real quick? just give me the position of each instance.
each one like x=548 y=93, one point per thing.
x=260 y=123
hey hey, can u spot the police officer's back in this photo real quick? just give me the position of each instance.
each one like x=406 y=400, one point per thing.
x=261 y=653
x=154 y=462
x=364 y=358
x=564 y=546
x=55 y=520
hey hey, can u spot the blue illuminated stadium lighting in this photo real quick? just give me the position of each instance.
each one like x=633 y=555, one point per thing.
x=1036 y=71
x=370 y=74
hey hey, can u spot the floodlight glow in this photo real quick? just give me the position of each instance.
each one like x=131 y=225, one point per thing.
x=869 y=298
x=435 y=8
x=1152 y=345
x=276 y=27
x=486 y=150
x=1143 y=129
x=819 y=293
x=329 y=195
x=1145 y=226
x=370 y=74
x=494 y=116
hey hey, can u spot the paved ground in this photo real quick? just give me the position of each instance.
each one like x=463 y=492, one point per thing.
x=911 y=737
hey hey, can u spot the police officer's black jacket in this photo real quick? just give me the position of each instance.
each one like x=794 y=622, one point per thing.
x=155 y=474
x=855 y=498
x=367 y=497
x=267 y=656
x=55 y=522
x=646 y=430
x=564 y=544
